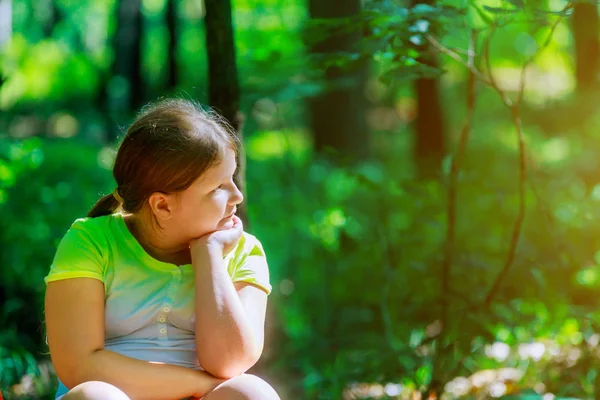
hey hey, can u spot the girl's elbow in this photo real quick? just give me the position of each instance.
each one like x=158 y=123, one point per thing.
x=72 y=374
x=228 y=370
x=225 y=373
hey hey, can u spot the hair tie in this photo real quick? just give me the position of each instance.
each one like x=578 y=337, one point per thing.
x=117 y=196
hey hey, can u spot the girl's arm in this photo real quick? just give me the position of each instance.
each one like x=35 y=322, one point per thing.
x=229 y=318
x=75 y=328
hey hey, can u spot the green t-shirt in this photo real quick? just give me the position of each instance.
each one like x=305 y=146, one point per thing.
x=149 y=308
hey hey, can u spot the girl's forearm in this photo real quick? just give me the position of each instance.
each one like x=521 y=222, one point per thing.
x=142 y=379
x=224 y=339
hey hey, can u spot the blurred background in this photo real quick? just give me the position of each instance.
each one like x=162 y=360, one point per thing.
x=423 y=175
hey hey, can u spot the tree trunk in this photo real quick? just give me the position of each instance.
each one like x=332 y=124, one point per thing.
x=173 y=42
x=429 y=137
x=224 y=91
x=337 y=116
x=223 y=86
x=429 y=128
x=587 y=48
x=128 y=50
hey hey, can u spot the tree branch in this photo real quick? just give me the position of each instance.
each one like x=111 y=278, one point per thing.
x=514 y=108
x=489 y=80
x=521 y=212
x=441 y=348
x=470 y=66
x=453 y=186
x=539 y=51
x=492 y=79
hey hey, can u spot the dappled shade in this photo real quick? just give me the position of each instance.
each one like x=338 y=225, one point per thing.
x=424 y=177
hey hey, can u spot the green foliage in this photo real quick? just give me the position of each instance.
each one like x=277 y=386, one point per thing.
x=44 y=185
x=366 y=251
x=390 y=32
x=356 y=253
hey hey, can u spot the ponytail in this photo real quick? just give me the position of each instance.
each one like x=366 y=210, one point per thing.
x=106 y=205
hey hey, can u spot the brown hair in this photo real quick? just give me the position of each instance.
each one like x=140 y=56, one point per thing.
x=169 y=145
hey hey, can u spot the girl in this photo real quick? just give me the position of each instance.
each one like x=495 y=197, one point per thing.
x=158 y=293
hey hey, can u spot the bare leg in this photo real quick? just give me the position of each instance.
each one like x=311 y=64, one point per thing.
x=243 y=387
x=95 y=390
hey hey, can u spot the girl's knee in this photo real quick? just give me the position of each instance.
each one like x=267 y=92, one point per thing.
x=95 y=390
x=243 y=387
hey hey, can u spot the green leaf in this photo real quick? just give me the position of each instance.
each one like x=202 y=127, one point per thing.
x=424 y=9
x=597 y=257
x=498 y=10
x=410 y=72
x=519 y=4
x=560 y=13
x=486 y=18
x=416 y=338
x=341 y=59
x=423 y=375
x=7 y=176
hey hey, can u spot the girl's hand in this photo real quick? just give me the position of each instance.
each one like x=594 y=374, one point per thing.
x=224 y=240
x=206 y=384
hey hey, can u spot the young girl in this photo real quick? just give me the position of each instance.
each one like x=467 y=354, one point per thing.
x=158 y=293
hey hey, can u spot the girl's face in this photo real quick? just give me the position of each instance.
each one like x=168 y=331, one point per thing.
x=210 y=202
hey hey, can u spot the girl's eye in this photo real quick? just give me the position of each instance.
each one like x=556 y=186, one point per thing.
x=219 y=187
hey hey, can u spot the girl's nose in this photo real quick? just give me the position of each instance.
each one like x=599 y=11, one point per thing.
x=237 y=196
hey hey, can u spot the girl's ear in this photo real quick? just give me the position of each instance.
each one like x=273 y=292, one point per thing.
x=162 y=205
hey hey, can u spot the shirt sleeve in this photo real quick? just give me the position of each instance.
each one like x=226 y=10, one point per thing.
x=79 y=254
x=249 y=263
